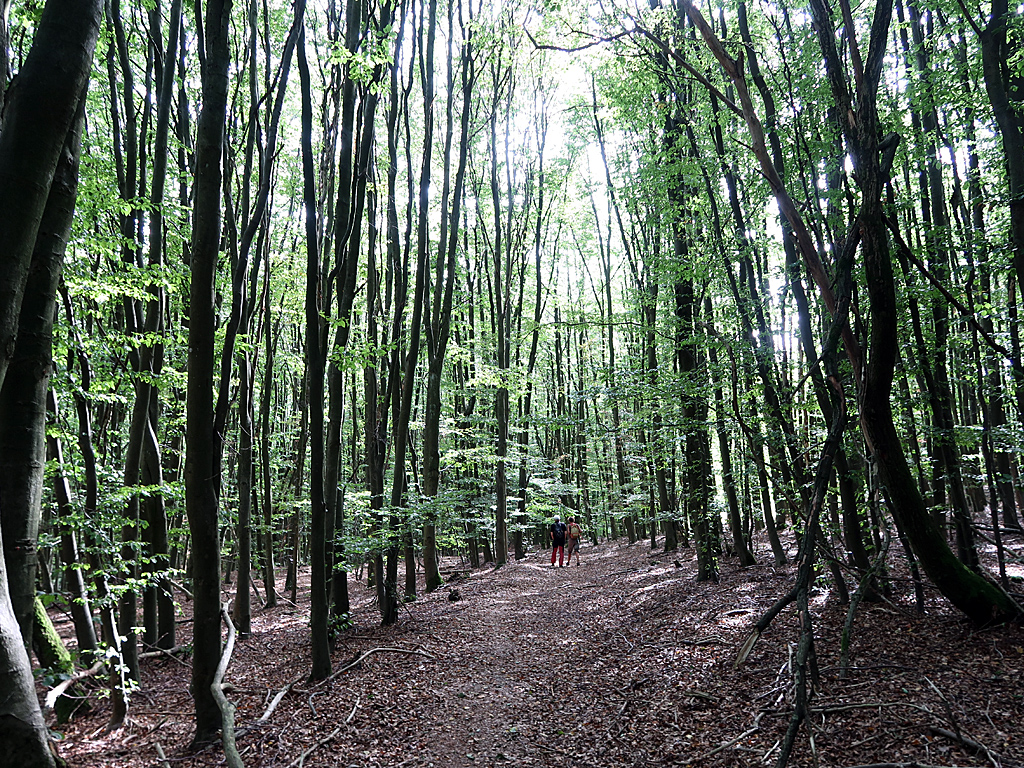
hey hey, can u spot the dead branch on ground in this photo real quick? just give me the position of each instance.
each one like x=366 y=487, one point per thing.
x=301 y=759
x=227 y=709
x=362 y=656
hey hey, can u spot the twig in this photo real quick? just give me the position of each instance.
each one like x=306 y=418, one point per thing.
x=968 y=742
x=58 y=691
x=949 y=710
x=227 y=709
x=163 y=758
x=353 y=712
x=170 y=652
x=358 y=661
x=866 y=583
x=756 y=727
x=277 y=700
x=301 y=759
x=623 y=573
x=309 y=701
x=553 y=749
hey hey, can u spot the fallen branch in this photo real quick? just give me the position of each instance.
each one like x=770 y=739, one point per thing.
x=256 y=589
x=58 y=691
x=277 y=700
x=701 y=695
x=163 y=758
x=359 y=660
x=170 y=652
x=968 y=742
x=298 y=762
x=761 y=625
x=750 y=731
x=227 y=709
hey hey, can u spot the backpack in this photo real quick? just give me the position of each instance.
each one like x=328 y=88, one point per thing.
x=574 y=531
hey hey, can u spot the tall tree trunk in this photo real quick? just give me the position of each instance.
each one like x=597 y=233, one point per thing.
x=24 y=391
x=74 y=582
x=201 y=464
x=38 y=114
x=321 y=653
x=980 y=600
x=266 y=471
x=440 y=323
x=1005 y=86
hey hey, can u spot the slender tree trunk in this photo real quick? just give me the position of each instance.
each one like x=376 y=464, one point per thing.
x=243 y=592
x=439 y=327
x=74 y=582
x=321 y=653
x=739 y=542
x=266 y=471
x=201 y=482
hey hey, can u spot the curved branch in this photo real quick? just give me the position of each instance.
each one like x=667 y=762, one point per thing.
x=227 y=709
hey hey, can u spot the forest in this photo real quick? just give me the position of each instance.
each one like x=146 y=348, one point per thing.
x=326 y=309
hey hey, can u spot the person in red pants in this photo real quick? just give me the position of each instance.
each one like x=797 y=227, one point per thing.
x=557 y=534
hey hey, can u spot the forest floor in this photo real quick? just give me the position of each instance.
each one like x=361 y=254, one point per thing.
x=624 y=660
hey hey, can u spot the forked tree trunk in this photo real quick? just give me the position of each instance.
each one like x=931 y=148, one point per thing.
x=982 y=601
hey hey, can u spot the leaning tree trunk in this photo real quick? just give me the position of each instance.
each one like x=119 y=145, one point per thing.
x=39 y=112
x=23 y=396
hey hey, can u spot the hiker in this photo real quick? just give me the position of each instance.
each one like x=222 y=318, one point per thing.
x=557 y=534
x=575 y=533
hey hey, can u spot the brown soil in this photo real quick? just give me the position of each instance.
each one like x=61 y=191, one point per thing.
x=622 y=661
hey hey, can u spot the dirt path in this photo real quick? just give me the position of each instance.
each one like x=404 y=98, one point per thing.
x=623 y=661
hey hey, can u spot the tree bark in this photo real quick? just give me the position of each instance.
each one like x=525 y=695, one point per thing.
x=201 y=483
x=320 y=647
x=982 y=601
x=23 y=396
x=40 y=110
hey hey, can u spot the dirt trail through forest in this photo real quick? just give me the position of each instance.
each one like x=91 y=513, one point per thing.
x=622 y=661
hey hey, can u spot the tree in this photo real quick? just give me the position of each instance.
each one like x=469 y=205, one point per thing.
x=201 y=461
x=40 y=110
